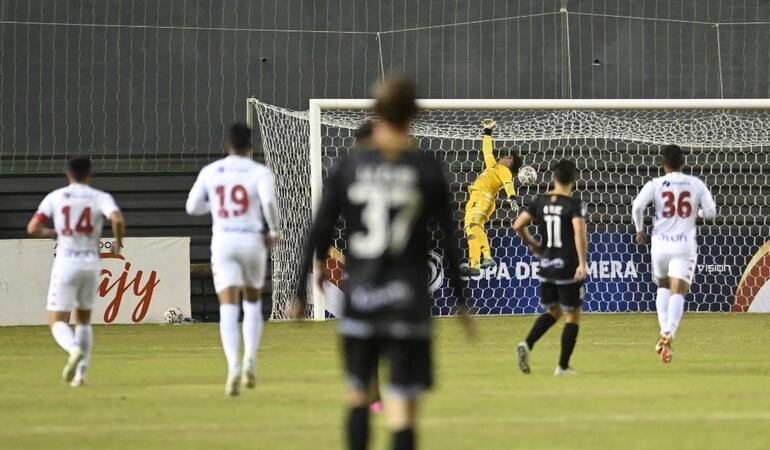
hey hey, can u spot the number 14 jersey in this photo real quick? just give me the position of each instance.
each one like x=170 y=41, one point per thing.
x=676 y=198
x=78 y=212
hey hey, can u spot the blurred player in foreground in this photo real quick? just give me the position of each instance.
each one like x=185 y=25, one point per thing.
x=678 y=199
x=364 y=141
x=240 y=195
x=498 y=174
x=386 y=197
x=563 y=263
x=77 y=212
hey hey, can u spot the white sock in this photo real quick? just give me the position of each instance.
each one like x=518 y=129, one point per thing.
x=252 y=332
x=661 y=305
x=675 y=311
x=63 y=335
x=84 y=335
x=231 y=335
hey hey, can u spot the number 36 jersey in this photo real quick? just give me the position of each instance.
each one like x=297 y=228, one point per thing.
x=676 y=198
x=78 y=212
x=386 y=205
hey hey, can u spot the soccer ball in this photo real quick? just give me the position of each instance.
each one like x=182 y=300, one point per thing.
x=173 y=315
x=527 y=175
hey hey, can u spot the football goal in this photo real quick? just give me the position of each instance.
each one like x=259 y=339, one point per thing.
x=615 y=144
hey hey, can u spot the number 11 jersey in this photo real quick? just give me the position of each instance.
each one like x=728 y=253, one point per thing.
x=553 y=216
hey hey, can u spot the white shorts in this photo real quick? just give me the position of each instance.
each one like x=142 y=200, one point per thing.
x=71 y=287
x=235 y=265
x=676 y=264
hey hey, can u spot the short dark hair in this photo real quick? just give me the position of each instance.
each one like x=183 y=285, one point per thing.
x=239 y=137
x=673 y=156
x=396 y=100
x=364 y=131
x=79 y=168
x=565 y=171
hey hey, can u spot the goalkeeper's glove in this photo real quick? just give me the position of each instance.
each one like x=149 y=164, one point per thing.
x=489 y=125
x=513 y=205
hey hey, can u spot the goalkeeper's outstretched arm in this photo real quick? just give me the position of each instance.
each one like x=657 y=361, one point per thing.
x=488 y=145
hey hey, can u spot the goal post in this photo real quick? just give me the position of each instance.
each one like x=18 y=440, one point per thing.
x=615 y=144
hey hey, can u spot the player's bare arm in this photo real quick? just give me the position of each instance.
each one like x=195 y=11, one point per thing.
x=520 y=225
x=641 y=202
x=118 y=231
x=581 y=245
x=36 y=227
x=318 y=242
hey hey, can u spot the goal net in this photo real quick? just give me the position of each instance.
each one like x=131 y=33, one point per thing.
x=615 y=145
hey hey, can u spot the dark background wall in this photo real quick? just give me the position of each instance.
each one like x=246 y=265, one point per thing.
x=147 y=87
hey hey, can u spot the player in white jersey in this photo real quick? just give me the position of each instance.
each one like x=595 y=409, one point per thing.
x=240 y=195
x=678 y=199
x=77 y=212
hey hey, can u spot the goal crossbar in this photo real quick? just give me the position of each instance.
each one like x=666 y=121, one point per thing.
x=555 y=104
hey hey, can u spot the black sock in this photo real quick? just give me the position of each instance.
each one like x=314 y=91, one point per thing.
x=568 y=339
x=358 y=428
x=403 y=439
x=542 y=324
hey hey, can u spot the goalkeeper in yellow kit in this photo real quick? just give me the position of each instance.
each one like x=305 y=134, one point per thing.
x=498 y=174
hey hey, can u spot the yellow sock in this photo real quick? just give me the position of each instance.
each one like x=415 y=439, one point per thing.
x=483 y=242
x=474 y=248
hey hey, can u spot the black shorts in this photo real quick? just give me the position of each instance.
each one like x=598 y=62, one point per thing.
x=569 y=296
x=411 y=365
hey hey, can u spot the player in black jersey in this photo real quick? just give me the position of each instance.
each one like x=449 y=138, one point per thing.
x=386 y=197
x=563 y=254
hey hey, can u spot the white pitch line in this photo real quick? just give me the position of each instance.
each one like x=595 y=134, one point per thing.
x=601 y=418
x=432 y=422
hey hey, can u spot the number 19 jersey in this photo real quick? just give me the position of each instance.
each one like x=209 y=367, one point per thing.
x=240 y=195
x=676 y=198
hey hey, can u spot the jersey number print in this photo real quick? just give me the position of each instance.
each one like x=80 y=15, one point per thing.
x=238 y=196
x=672 y=206
x=553 y=225
x=84 y=221
x=375 y=216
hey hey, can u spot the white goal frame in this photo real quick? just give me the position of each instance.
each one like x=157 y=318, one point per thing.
x=316 y=106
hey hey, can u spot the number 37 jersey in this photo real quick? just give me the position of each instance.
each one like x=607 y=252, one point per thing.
x=78 y=212
x=386 y=205
x=677 y=198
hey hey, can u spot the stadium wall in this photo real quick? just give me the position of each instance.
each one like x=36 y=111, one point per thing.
x=146 y=88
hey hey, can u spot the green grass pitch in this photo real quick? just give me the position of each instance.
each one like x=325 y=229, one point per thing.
x=155 y=387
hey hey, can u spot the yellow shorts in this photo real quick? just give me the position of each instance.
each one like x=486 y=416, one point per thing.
x=479 y=208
